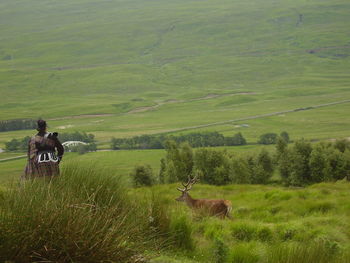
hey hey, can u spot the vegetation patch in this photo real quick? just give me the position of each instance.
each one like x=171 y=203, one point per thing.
x=84 y=215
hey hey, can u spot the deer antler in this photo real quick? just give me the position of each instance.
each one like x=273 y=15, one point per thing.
x=189 y=184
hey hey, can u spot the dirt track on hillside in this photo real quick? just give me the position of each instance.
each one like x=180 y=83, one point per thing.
x=172 y=101
x=258 y=116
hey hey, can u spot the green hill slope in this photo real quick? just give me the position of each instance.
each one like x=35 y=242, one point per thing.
x=154 y=66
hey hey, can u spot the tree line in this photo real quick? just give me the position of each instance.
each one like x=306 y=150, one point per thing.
x=22 y=144
x=297 y=164
x=204 y=139
x=17 y=124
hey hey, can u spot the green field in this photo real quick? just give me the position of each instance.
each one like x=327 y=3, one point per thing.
x=123 y=68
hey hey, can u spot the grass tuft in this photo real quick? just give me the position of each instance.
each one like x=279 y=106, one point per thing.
x=85 y=215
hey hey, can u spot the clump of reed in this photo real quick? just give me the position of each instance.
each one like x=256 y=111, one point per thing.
x=84 y=215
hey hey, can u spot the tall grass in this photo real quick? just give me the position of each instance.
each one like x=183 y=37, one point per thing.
x=320 y=252
x=85 y=215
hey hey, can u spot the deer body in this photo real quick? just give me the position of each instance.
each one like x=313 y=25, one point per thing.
x=220 y=207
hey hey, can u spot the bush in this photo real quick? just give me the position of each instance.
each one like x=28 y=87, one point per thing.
x=143 y=175
x=84 y=215
x=268 y=138
x=285 y=136
x=214 y=165
x=17 y=145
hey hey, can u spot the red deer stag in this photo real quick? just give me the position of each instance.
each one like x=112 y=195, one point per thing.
x=220 y=208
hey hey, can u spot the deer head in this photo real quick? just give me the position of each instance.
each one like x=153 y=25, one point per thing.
x=187 y=187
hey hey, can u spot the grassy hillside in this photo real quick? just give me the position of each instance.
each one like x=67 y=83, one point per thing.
x=134 y=67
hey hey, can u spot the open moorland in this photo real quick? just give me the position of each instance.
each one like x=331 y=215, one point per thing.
x=124 y=68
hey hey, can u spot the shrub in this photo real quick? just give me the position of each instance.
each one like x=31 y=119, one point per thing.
x=260 y=167
x=268 y=138
x=143 y=175
x=214 y=165
x=285 y=136
x=300 y=172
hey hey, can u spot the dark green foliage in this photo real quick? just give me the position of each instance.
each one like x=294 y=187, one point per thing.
x=237 y=139
x=17 y=145
x=260 y=167
x=318 y=164
x=19 y=124
x=342 y=145
x=281 y=147
x=336 y=165
x=179 y=161
x=347 y=159
x=300 y=173
x=305 y=163
x=12 y=145
x=143 y=175
x=22 y=145
x=81 y=149
x=301 y=163
x=285 y=136
x=203 y=139
x=240 y=171
x=214 y=166
x=268 y=138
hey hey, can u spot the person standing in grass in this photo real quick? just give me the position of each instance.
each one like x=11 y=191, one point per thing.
x=42 y=158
